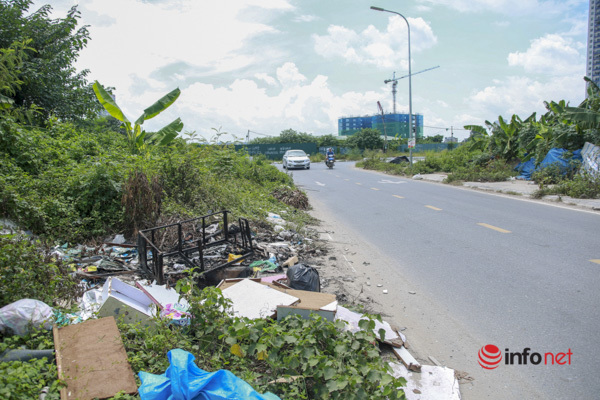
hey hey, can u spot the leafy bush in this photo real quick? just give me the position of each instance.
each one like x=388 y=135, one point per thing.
x=27 y=270
x=582 y=186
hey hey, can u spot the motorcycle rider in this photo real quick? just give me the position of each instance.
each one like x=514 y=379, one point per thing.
x=328 y=154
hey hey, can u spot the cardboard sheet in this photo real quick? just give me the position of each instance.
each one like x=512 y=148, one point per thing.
x=92 y=360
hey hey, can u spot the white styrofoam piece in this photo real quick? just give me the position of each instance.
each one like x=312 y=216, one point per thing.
x=353 y=318
x=128 y=295
x=432 y=383
x=330 y=307
x=163 y=295
x=253 y=300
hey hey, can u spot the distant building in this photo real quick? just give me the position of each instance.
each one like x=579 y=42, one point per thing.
x=395 y=124
x=450 y=139
x=593 y=50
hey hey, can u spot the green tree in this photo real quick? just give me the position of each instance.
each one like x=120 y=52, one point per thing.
x=433 y=139
x=366 y=138
x=49 y=78
x=291 y=136
x=137 y=138
x=328 y=140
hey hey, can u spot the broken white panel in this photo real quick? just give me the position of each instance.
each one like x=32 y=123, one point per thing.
x=119 y=298
x=432 y=383
x=353 y=318
x=253 y=300
x=161 y=295
x=407 y=359
x=330 y=307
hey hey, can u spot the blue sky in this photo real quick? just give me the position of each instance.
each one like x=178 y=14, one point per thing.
x=270 y=65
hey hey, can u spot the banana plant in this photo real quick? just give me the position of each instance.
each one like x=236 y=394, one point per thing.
x=139 y=139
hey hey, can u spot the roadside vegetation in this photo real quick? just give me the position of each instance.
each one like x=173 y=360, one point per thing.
x=493 y=152
x=69 y=176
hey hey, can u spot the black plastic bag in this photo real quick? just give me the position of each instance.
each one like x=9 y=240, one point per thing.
x=304 y=277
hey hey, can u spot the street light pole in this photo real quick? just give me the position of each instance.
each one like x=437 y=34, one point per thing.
x=410 y=118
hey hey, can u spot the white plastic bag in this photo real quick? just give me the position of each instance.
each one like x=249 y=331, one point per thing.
x=17 y=317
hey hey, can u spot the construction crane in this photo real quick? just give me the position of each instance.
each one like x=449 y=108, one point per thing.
x=395 y=82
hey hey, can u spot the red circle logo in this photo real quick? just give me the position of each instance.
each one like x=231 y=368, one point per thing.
x=489 y=356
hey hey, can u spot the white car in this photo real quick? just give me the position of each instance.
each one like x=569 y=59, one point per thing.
x=296 y=159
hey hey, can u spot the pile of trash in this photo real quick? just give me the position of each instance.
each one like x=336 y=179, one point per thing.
x=272 y=282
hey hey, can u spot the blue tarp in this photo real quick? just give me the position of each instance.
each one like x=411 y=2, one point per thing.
x=554 y=157
x=183 y=380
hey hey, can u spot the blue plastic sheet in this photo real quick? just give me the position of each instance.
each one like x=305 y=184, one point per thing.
x=183 y=380
x=554 y=157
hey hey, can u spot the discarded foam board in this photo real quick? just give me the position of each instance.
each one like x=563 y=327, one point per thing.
x=92 y=360
x=125 y=301
x=393 y=338
x=432 y=383
x=253 y=300
x=407 y=359
x=161 y=295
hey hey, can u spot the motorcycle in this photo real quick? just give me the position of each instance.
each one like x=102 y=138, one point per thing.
x=329 y=160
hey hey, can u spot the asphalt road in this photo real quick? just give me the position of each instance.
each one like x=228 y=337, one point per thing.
x=517 y=274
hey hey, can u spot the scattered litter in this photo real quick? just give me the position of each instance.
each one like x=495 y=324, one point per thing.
x=385 y=291
x=184 y=380
x=432 y=383
x=290 y=261
x=411 y=292
x=92 y=361
x=18 y=317
x=379 y=285
x=368 y=283
x=417 y=177
x=273 y=278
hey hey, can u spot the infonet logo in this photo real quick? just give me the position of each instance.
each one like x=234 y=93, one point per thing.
x=490 y=357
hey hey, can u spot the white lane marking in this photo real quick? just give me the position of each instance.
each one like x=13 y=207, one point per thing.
x=388 y=181
x=319 y=183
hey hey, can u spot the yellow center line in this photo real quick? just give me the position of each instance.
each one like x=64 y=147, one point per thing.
x=358 y=183
x=374 y=189
x=346 y=179
x=434 y=208
x=400 y=197
x=595 y=261
x=493 y=227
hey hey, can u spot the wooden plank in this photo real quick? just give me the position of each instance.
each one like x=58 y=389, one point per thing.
x=407 y=359
x=92 y=360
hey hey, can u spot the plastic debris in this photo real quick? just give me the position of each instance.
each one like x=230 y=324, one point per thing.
x=184 y=380
x=19 y=316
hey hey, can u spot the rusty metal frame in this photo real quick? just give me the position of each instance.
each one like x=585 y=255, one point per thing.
x=151 y=256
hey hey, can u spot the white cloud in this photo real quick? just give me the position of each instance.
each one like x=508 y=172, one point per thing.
x=551 y=54
x=383 y=49
x=301 y=104
x=509 y=7
x=523 y=96
x=267 y=78
x=306 y=18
